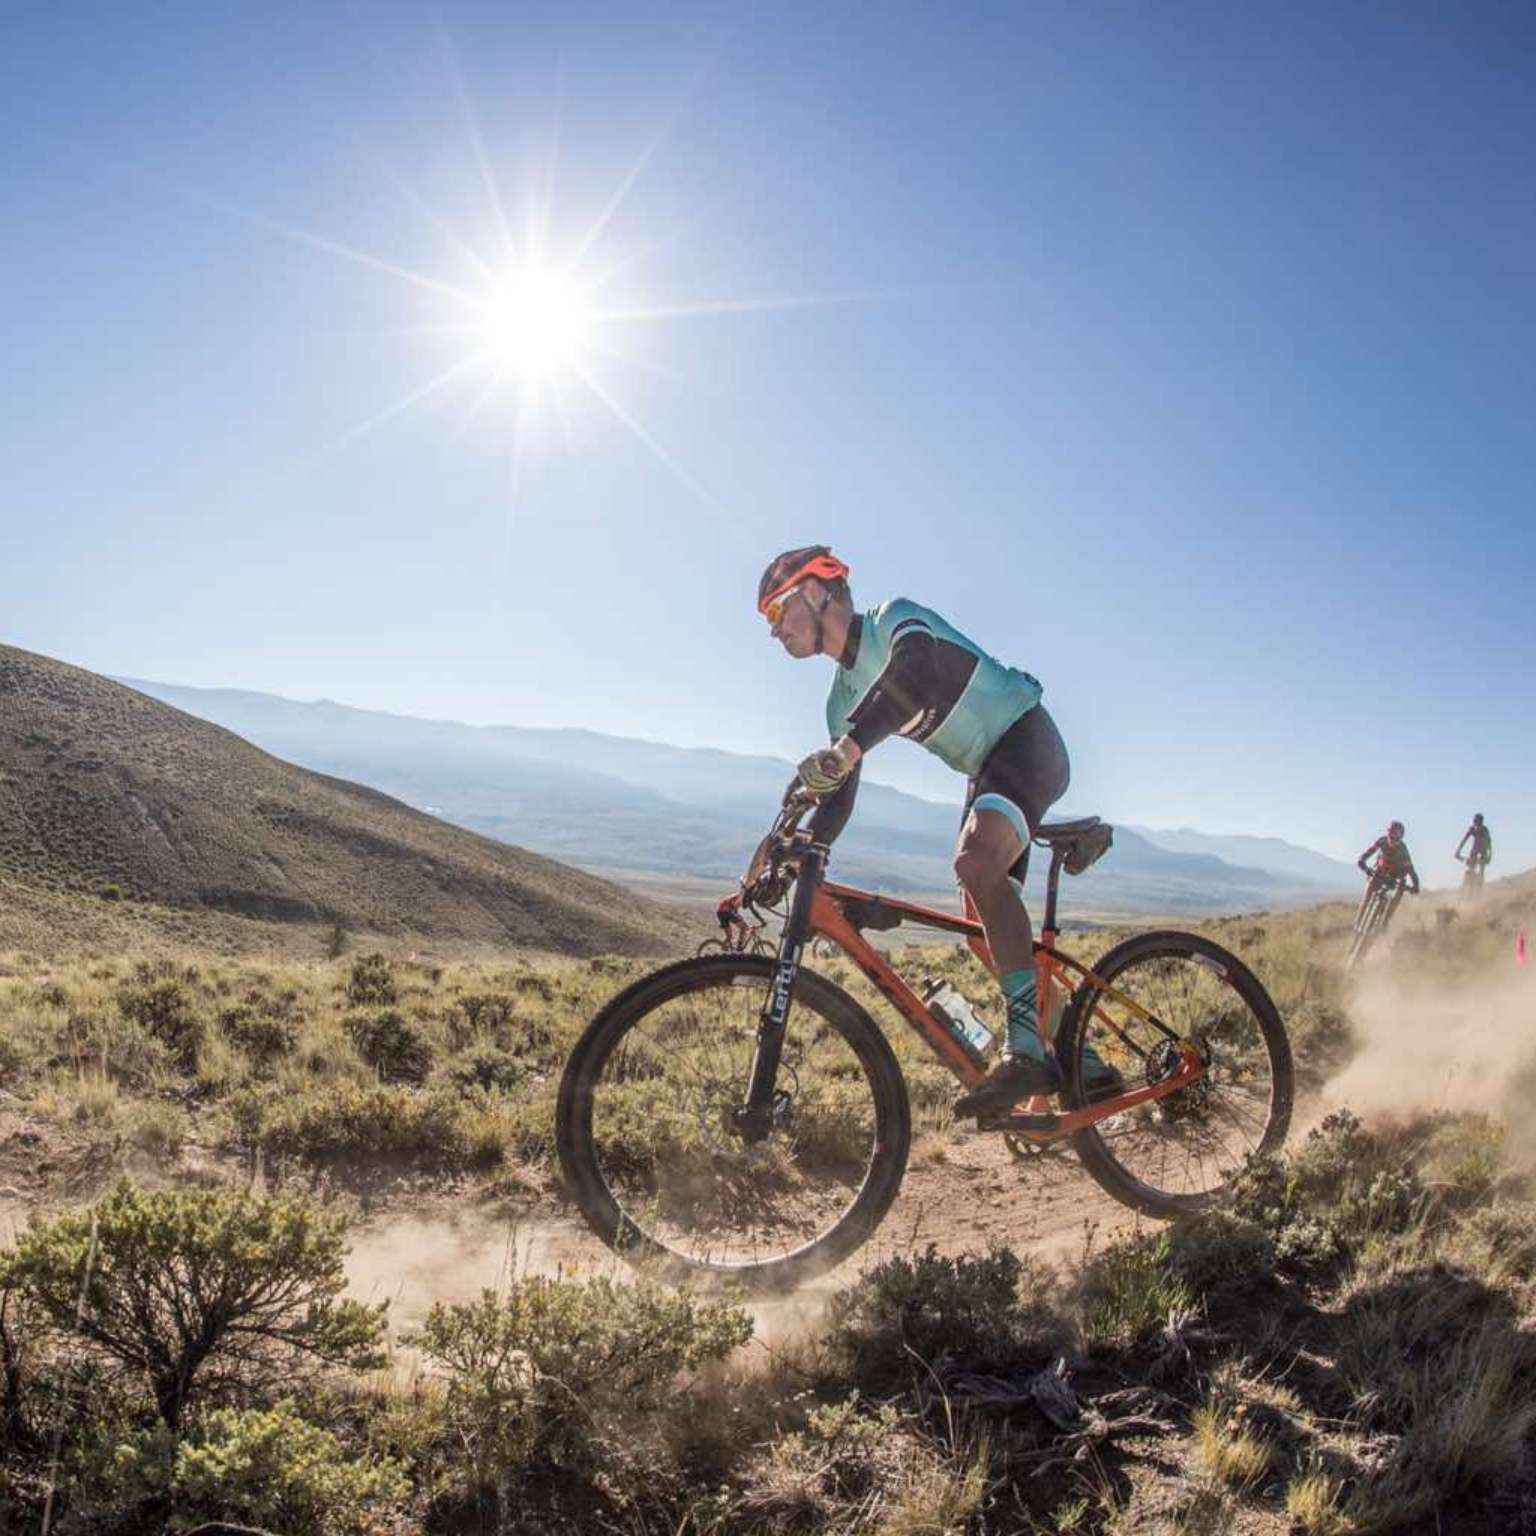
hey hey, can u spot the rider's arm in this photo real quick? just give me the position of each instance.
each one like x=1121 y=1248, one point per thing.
x=1413 y=875
x=1365 y=868
x=906 y=686
x=1463 y=843
x=831 y=816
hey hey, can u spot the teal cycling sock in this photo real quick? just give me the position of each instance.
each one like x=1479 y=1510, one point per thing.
x=1023 y=1025
x=1023 y=1013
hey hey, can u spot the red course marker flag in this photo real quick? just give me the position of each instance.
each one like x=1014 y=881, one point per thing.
x=1520 y=947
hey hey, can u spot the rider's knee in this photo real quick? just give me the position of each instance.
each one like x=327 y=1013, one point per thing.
x=977 y=867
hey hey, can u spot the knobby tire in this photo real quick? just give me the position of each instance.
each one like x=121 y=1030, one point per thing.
x=818 y=1005
x=1095 y=1145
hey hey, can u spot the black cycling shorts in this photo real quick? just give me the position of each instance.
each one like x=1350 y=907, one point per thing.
x=1023 y=776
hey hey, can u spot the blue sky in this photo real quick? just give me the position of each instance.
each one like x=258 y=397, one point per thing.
x=1183 y=355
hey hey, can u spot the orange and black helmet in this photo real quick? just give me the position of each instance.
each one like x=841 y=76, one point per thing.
x=793 y=567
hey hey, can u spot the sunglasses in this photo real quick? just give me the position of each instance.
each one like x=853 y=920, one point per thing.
x=773 y=609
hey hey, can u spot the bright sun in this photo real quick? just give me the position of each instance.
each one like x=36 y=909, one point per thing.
x=555 y=330
x=537 y=325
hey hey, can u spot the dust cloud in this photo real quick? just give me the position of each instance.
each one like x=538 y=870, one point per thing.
x=417 y=1260
x=1444 y=1039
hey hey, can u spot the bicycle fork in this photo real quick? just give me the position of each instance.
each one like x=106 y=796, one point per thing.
x=754 y=1120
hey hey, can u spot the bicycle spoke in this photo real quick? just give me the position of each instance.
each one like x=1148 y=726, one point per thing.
x=1189 y=1143
x=681 y=1172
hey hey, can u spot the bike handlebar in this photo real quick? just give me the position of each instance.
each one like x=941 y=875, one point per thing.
x=780 y=850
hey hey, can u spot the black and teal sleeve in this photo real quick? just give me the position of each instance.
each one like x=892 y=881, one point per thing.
x=904 y=690
x=831 y=816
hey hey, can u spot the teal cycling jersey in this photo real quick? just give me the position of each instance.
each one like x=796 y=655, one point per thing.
x=908 y=672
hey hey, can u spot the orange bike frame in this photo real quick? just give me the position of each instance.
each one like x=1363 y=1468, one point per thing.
x=1053 y=969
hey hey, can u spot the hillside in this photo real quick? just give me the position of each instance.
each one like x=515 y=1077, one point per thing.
x=107 y=792
x=1337 y=1350
x=644 y=809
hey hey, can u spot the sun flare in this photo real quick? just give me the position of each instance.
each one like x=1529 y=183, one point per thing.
x=542 y=327
x=537 y=325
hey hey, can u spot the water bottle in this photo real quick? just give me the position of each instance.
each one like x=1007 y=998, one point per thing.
x=965 y=1025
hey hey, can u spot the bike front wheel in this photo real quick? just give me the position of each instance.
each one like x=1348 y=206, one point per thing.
x=1372 y=919
x=652 y=1151
x=1177 y=1155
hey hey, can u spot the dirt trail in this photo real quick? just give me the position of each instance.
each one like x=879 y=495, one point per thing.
x=962 y=1192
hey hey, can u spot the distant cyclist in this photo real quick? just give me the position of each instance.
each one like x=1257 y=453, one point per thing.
x=1394 y=864
x=1481 y=854
x=904 y=671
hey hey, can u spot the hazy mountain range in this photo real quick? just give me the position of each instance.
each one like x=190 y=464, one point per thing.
x=640 y=809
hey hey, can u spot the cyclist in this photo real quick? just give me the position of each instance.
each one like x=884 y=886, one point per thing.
x=902 y=670
x=1481 y=855
x=1394 y=864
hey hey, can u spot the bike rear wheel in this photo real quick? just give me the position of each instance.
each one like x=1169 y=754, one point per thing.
x=1178 y=1154
x=653 y=1157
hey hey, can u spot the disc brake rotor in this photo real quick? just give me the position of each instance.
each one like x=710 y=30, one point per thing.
x=718 y=1104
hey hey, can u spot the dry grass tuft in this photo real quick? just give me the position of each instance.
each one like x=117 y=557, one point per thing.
x=1233 y=1456
x=1314 y=1500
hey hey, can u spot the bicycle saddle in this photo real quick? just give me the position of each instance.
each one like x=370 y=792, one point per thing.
x=1077 y=843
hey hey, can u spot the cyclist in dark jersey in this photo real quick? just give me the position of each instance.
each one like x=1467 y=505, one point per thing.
x=902 y=670
x=1481 y=839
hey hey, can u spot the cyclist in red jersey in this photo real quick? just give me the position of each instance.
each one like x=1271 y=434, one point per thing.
x=1393 y=864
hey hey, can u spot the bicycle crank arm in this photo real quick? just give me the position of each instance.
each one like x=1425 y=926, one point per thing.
x=1019 y=1123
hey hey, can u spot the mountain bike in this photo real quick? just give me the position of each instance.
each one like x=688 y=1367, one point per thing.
x=745 y=1118
x=1382 y=897
x=1472 y=879
x=737 y=937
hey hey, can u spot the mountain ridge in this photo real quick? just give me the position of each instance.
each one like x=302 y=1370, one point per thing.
x=648 y=808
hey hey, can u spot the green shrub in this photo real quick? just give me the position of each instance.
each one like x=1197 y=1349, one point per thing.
x=349 y=1118
x=848 y=1454
x=1131 y=1291
x=548 y=1374
x=1220 y=1250
x=487 y=1070
x=198 y=1292
x=160 y=1001
x=905 y=1312
x=268 y=1468
x=391 y=1045
x=1500 y=1239
x=262 y=1032
x=479 y=1015
x=1342 y=1187
x=535 y=985
x=372 y=982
